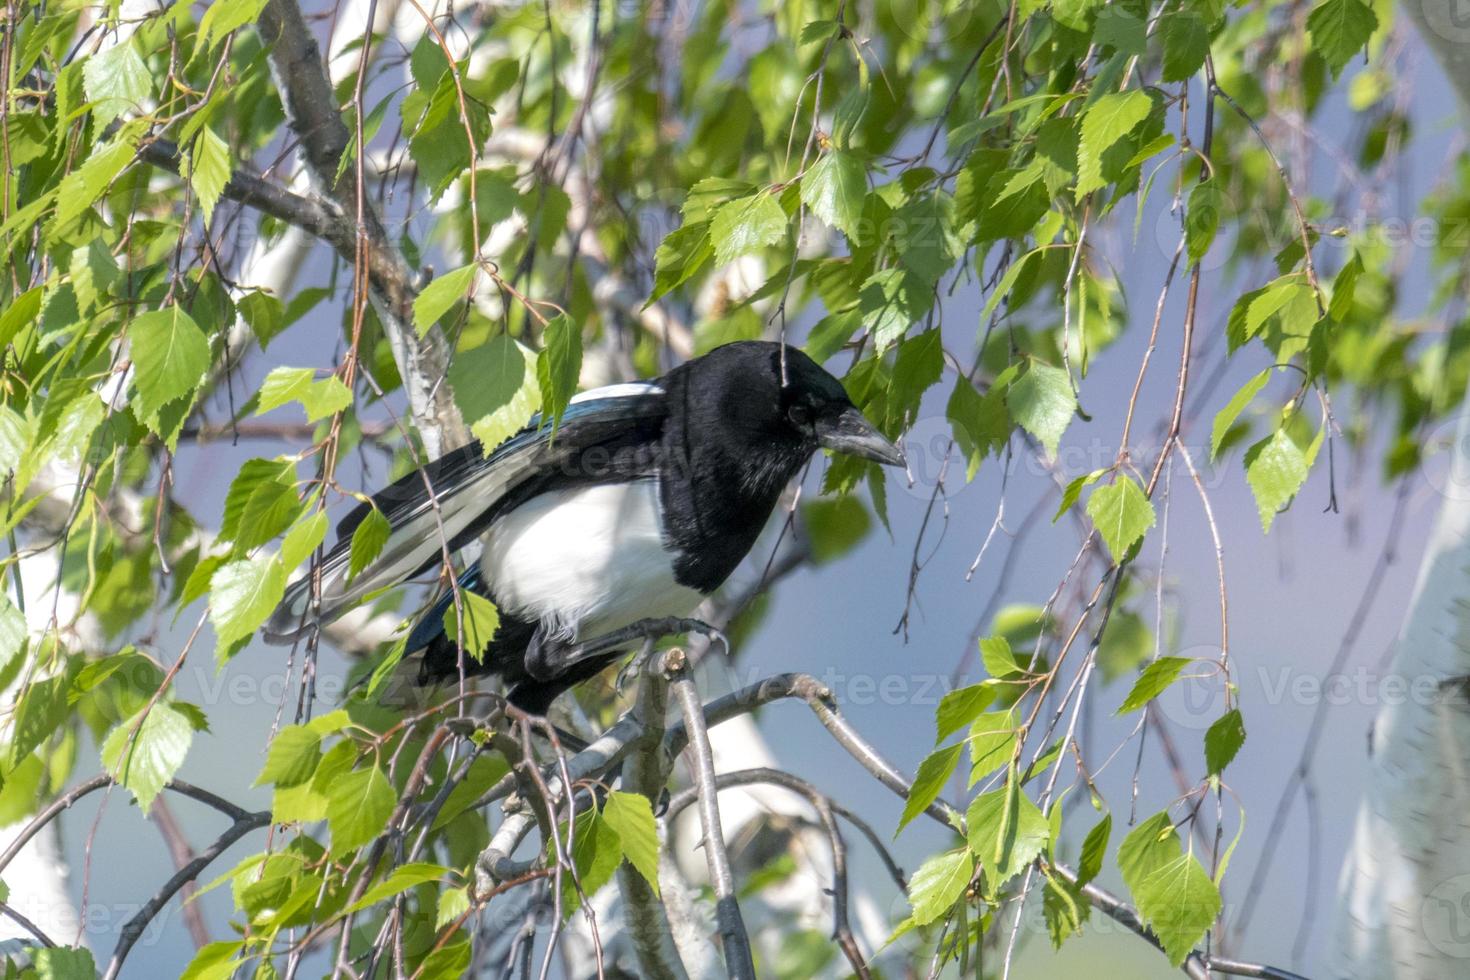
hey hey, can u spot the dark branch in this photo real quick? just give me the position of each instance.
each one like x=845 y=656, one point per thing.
x=134 y=927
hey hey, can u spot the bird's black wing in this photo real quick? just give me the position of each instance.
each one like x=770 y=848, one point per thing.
x=470 y=488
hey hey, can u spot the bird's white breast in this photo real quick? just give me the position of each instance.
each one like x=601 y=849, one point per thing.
x=585 y=560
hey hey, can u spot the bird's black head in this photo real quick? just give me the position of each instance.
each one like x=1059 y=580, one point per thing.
x=739 y=390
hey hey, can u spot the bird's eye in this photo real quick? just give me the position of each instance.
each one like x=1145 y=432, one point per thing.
x=799 y=414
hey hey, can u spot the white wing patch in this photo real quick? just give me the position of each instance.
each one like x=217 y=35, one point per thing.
x=585 y=561
x=628 y=389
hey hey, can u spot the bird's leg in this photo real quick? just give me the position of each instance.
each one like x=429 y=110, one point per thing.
x=549 y=658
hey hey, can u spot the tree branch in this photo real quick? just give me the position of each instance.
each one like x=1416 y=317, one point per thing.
x=307 y=213
x=733 y=939
x=826 y=810
x=27 y=925
x=646 y=772
x=134 y=927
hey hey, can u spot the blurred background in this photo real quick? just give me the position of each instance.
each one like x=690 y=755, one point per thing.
x=1313 y=608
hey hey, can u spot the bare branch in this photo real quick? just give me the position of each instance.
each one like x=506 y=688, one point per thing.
x=826 y=810
x=733 y=939
x=27 y=925
x=134 y=927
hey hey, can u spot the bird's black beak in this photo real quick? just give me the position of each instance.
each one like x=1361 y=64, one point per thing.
x=849 y=432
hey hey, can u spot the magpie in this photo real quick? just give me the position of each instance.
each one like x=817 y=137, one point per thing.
x=634 y=508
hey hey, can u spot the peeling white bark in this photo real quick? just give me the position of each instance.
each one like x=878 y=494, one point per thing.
x=1404 y=902
x=1403 y=907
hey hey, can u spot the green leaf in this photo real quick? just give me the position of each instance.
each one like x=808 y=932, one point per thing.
x=1148 y=847
x=1042 y=402
x=1094 y=850
x=12 y=631
x=1173 y=893
x=15 y=440
x=207 y=167
x=242 y=594
x=891 y=301
x=485 y=771
x=1237 y=404
x=266 y=508
x=596 y=853
x=359 y=804
x=918 y=366
x=960 y=707
x=1064 y=907
x=1180 y=902
x=403 y=878
x=1073 y=491
x=215 y=961
x=496 y=388
x=834 y=525
x=481 y=621
x=1340 y=29
x=145 y=762
x=834 y=188
x=1344 y=288
x=170 y=357
x=303 y=539
x=992 y=742
x=980 y=423
x=1186 y=44
x=558 y=367
x=1007 y=832
x=21 y=312
x=307 y=802
x=998 y=658
x=368 y=539
x=1121 y=513
x=939 y=883
x=1289 y=292
x=223 y=17
x=453 y=904
x=1077 y=15
x=264 y=313
x=42 y=709
x=1275 y=468
x=933 y=773
x=441 y=294
x=292 y=758
x=117 y=81
x=1202 y=218
x=264 y=478
x=631 y=817
x=83 y=186
x=64 y=963
x=925 y=239
x=449 y=962
x=319 y=398
x=682 y=253
x=1121 y=29
x=746 y=224
x=1151 y=683
x=1223 y=741
x=1106 y=121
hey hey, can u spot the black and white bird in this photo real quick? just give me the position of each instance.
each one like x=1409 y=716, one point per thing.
x=640 y=505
